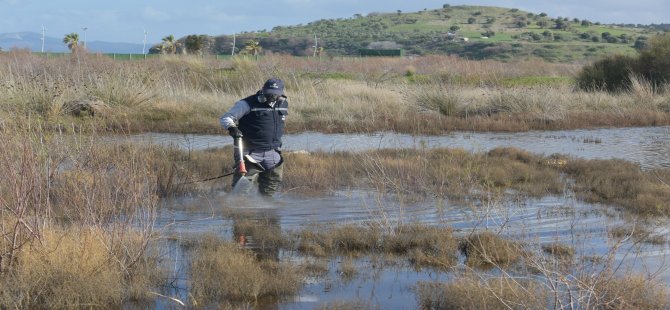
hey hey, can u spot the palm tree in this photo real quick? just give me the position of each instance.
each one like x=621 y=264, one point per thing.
x=169 y=45
x=72 y=41
x=253 y=47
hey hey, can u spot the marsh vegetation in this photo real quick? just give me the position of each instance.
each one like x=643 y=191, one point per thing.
x=79 y=211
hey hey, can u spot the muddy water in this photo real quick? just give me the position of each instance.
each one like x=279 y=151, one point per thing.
x=380 y=285
x=648 y=146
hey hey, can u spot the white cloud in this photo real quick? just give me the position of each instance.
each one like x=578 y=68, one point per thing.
x=155 y=15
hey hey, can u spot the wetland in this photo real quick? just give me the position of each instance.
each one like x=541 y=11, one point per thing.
x=446 y=188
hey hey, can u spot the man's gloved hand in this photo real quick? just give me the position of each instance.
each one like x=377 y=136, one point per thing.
x=234 y=132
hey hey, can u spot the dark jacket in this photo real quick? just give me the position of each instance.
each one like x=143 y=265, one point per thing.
x=263 y=126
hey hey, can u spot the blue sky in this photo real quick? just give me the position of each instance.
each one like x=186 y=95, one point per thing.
x=126 y=20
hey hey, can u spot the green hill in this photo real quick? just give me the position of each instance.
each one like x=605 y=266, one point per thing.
x=475 y=32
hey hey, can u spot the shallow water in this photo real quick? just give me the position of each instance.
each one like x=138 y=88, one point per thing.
x=647 y=146
x=539 y=221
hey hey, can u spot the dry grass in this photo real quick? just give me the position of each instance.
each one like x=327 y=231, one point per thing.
x=471 y=292
x=440 y=172
x=630 y=292
x=454 y=174
x=74 y=212
x=424 y=246
x=474 y=291
x=621 y=183
x=343 y=239
x=558 y=250
x=223 y=271
x=188 y=94
x=487 y=250
x=79 y=267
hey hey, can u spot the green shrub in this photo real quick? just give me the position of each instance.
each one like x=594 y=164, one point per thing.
x=654 y=62
x=611 y=73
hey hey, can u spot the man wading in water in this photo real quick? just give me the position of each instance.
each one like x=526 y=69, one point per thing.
x=259 y=120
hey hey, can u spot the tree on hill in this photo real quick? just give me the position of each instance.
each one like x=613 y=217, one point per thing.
x=253 y=47
x=72 y=41
x=195 y=43
x=561 y=24
x=169 y=45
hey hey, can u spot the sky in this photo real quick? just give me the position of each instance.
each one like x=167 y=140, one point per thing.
x=127 y=20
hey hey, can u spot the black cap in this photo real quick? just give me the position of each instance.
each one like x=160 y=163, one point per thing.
x=274 y=86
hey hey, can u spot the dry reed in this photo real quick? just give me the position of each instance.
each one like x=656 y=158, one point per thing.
x=188 y=94
x=223 y=271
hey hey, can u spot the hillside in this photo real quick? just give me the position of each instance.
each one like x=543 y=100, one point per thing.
x=475 y=32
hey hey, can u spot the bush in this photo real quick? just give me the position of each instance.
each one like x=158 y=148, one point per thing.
x=654 y=61
x=611 y=74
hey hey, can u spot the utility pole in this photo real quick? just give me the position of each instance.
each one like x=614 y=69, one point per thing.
x=232 y=53
x=315 y=45
x=144 y=43
x=84 y=28
x=43 y=33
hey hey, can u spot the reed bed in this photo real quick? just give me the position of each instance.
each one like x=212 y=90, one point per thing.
x=426 y=95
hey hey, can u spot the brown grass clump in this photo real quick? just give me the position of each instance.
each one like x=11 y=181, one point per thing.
x=487 y=249
x=628 y=292
x=262 y=234
x=600 y=291
x=620 y=183
x=559 y=250
x=223 y=271
x=344 y=239
x=471 y=292
x=425 y=245
x=79 y=267
x=407 y=172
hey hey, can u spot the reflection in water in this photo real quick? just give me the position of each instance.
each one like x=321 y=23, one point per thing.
x=647 y=146
x=540 y=221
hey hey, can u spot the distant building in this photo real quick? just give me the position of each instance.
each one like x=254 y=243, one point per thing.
x=372 y=52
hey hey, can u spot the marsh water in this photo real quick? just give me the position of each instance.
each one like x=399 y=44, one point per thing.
x=647 y=146
x=390 y=285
